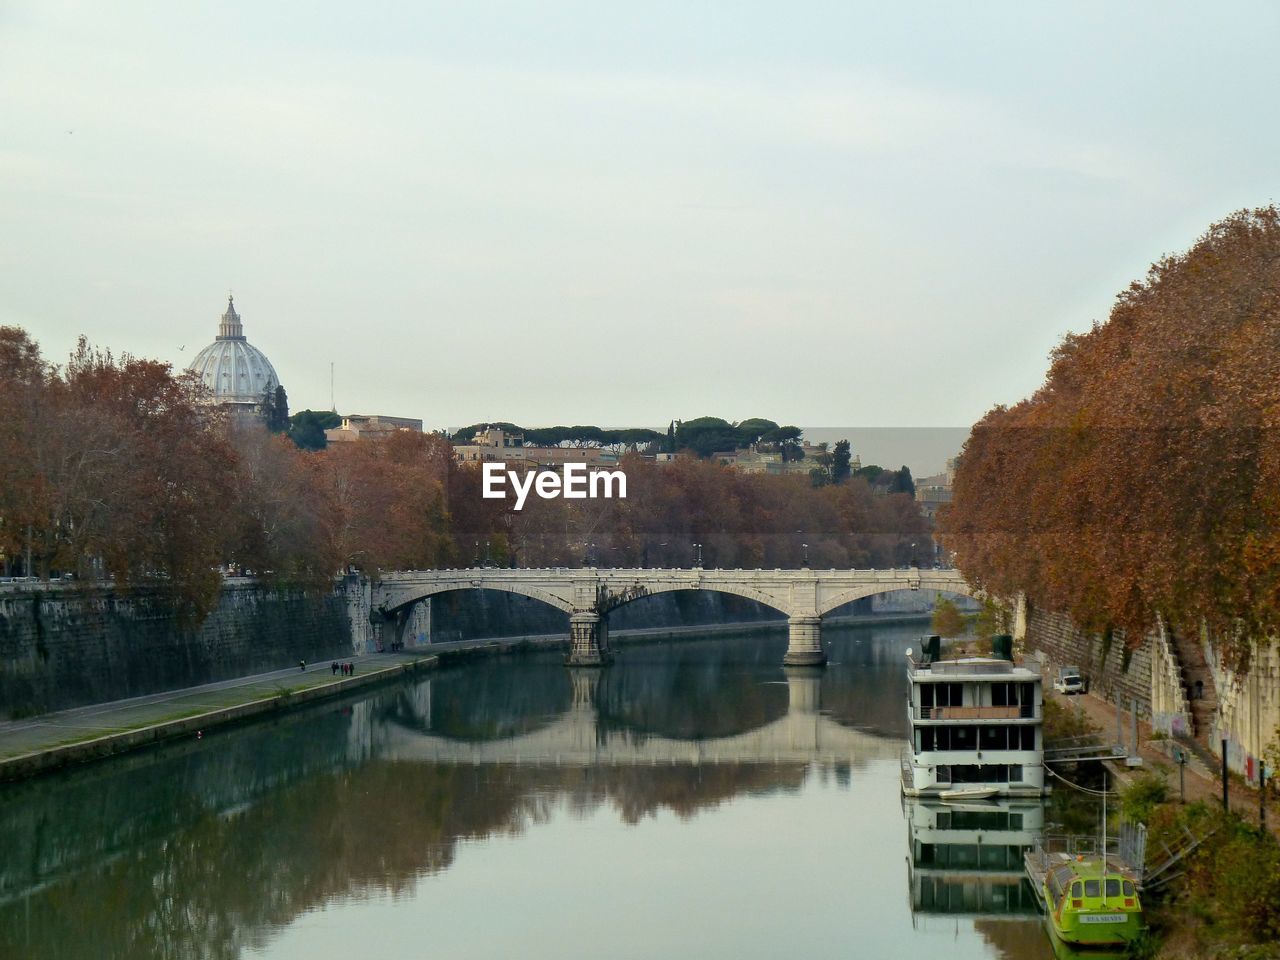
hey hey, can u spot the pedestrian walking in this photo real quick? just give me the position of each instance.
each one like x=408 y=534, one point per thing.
x=334 y=668
x=302 y=665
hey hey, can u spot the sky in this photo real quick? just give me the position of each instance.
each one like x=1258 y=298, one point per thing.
x=821 y=213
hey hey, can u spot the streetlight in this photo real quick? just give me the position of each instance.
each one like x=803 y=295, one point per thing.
x=805 y=546
x=913 y=554
x=698 y=563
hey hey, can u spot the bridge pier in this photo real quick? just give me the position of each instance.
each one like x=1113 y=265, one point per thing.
x=804 y=646
x=588 y=640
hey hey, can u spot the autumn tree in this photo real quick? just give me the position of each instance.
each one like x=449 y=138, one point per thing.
x=1141 y=481
x=948 y=621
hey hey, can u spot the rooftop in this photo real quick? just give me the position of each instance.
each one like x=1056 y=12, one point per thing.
x=970 y=667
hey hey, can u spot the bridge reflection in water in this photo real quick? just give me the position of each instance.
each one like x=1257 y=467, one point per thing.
x=803 y=734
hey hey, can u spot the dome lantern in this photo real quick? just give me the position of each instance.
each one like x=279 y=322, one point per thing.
x=230 y=328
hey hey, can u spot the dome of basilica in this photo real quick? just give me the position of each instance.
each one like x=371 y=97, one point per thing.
x=233 y=369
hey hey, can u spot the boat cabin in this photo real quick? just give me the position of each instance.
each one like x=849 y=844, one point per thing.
x=975 y=729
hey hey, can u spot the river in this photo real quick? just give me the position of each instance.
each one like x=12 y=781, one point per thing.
x=691 y=800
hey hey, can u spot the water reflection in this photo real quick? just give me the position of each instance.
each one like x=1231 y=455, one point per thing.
x=210 y=849
x=966 y=858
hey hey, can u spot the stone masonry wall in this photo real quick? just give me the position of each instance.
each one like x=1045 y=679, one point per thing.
x=1250 y=717
x=64 y=646
x=1110 y=676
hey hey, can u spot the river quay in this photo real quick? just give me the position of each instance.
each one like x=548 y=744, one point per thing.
x=33 y=746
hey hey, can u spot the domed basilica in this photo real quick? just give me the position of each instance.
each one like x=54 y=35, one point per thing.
x=237 y=373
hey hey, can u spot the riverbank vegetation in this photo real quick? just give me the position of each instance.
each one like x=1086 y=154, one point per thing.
x=1143 y=479
x=1226 y=903
x=116 y=467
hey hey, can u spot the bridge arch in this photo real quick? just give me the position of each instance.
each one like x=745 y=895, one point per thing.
x=426 y=591
x=631 y=595
x=870 y=590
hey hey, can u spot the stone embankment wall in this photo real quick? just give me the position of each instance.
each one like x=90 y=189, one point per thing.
x=1250 y=715
x=69 y=646
x=1148 y=674
x=1249 y=719
x=912 y=601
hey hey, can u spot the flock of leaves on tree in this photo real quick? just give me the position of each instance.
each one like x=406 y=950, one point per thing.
x=1142 y=480
x=116 y=467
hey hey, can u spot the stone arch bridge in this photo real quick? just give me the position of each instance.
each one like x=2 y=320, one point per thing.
x=588 y=594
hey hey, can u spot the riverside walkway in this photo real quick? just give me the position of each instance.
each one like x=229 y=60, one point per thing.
x=34 y=745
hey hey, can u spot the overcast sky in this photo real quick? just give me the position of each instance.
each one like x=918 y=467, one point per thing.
x=821 y=213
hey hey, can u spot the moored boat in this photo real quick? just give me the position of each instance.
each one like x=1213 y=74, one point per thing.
x=975 y=727
x=1091 y=901
x=973 y=793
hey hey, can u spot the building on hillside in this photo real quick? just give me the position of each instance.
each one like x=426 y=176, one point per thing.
x=237 y=374
x=769 y=461
x=933 y=492
x=491 y=443
x=358 y=426
x=495 y=444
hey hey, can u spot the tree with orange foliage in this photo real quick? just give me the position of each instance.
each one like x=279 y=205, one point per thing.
x=1141 y=480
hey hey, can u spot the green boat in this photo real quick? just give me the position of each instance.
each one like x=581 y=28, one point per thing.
x=1092 y=903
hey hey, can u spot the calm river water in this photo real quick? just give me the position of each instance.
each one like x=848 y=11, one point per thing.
x=692 y=800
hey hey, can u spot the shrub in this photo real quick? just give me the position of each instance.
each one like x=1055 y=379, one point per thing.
x=1141 y=797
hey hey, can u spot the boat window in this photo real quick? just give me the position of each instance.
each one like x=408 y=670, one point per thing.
x=926 y=694
x=1093 y=888
x=1113 y=887
x=1128 y=888
x=1076 y=890
x=1015 y=773
x=949 y=694
x=1028 y=737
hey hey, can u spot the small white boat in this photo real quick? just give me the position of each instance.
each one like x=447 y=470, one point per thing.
x=974 y=793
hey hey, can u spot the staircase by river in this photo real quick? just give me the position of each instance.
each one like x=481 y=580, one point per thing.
x=1197 y=681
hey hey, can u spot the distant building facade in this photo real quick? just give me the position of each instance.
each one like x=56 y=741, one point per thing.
x=933 y=492
x=769 y=461
x=495 y=444
x=358 y=426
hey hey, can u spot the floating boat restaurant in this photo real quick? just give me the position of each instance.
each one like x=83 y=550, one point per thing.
x=975 y=728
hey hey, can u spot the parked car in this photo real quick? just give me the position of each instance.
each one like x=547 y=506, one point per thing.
x=1070 y=680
